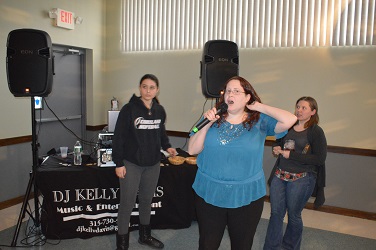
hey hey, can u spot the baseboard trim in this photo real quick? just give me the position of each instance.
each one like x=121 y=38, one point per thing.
x=14 y=201
x=324 y=208
x=339 y=211
x=331 y=149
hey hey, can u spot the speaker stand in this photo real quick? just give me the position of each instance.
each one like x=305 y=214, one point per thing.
x=31 y=184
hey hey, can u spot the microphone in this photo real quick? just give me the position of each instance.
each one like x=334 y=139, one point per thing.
x=221 y=109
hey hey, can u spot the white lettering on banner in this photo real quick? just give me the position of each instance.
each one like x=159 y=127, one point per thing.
x=155 y=204
x=86 y=194
x=114 y=192
x=107 y=207
x=102 y=222
x=97 y=209
x=82 y=229
x=158 y=192
x=136 y=213
x=68 y=210
x=95 y=194
x=59 y=196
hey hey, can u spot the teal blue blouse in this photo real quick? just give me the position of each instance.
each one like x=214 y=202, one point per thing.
x=230 y=172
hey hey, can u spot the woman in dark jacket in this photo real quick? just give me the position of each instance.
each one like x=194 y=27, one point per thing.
x=138 y=138
x=300 y=168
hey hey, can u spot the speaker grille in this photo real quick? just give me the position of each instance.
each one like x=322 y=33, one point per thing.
x=220 y=62
x=29 y=63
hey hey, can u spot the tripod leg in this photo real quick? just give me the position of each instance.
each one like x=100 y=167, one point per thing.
x=31 y=183
x=23 y=209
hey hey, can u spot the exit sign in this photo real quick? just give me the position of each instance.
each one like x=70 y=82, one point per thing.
x=64 y=19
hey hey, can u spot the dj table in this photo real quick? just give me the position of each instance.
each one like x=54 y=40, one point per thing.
x=82 y=201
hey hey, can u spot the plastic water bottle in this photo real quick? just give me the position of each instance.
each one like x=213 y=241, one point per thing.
x=77 y=153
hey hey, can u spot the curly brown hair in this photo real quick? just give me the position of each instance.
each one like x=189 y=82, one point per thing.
x=253 y=116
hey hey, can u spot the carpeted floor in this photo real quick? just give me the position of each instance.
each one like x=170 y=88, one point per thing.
x=187 y=239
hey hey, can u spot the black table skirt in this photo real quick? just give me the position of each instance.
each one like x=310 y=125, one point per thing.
x=82 y=201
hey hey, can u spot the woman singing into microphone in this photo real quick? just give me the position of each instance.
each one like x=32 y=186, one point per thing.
x=230 y=182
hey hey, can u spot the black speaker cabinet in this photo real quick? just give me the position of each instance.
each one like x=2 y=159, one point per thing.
x=29 y=63
x=220 y=62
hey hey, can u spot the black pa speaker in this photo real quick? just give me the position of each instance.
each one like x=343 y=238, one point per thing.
x=29 y=63
x=220 y=62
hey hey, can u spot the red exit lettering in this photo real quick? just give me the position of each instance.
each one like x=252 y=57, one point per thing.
x=66 y=17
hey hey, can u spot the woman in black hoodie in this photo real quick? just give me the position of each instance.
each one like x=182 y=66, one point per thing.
x=138 y=138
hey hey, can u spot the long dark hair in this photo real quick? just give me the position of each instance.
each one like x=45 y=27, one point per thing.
x=154 y=79
x=313 y=105
x=253 y=116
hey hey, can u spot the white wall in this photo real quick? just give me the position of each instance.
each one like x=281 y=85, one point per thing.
x=346 y=102
x=341 y=79
x=90 y=35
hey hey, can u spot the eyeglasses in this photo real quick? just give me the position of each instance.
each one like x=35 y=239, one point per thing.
x=234 y=91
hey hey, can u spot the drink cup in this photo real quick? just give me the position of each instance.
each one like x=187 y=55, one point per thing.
x=63 y=152
x=289 y=145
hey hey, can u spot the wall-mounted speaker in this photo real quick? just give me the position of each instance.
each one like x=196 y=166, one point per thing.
x=220 y=62
x=29 y=63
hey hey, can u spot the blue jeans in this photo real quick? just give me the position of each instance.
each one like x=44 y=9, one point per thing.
x=290 y=197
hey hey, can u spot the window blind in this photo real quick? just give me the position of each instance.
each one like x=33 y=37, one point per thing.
x=153 y=25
